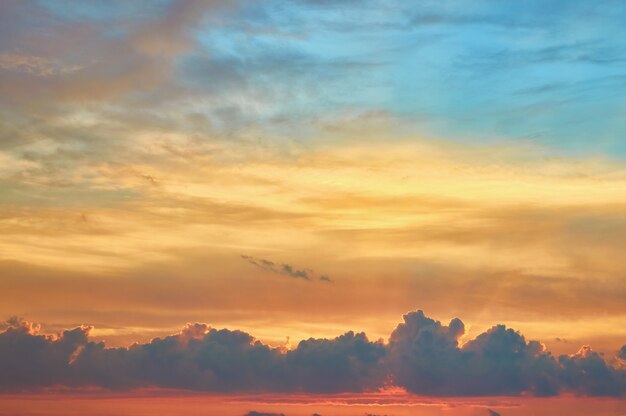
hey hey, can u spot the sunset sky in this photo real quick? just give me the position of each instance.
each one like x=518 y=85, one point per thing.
x=301 y=169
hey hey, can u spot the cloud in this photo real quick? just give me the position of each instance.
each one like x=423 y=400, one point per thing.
x=13 y=321
x=170 y=35
x=285 y=269
x=349 y=362
x=197 y=358
x=290 y=271
x=33 y=65
x=492 y=412
x=29 y=360
x=426 y=358
x=139 y=58
x=586 y=372
x=423 y=356
x=255 y=413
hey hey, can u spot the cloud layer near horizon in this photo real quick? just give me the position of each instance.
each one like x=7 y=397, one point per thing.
x=422 y=356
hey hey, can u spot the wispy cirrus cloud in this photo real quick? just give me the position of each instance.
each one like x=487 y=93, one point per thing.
x=35 y=65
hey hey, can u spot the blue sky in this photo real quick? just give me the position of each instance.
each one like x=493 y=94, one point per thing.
x=552 y=73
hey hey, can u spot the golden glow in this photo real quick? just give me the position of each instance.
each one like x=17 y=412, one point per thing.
x=457 y=230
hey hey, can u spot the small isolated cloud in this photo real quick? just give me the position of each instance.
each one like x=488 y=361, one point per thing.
x=493 y=412
x=286 y=269
x=255 y=413
x=291 y=271
x=325 y=278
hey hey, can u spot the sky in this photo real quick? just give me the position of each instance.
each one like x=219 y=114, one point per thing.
x=295 y=182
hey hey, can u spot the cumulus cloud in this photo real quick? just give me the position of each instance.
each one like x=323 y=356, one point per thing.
x=586 y=372
x=285 y=269
x=426 y=358
x=12 y=321
x=30 y=360
x=349 y=362
x=423 y=356
x=197 y=358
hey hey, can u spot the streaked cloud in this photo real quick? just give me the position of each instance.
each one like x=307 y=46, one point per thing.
x=285 y=269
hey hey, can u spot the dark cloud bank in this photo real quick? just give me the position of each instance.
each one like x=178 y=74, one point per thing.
x=422 y=355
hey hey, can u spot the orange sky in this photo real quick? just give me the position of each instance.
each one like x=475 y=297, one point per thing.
x=174 y=404
x=452 y=230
